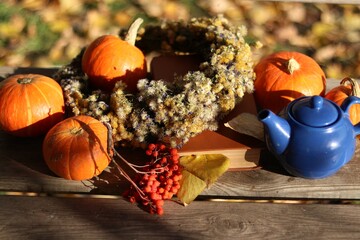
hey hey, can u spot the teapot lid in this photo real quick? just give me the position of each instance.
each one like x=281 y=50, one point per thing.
x=314 y=111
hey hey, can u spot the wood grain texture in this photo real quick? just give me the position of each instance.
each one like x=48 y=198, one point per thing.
x=24 y=170
x=86 y=218
x=273 y=182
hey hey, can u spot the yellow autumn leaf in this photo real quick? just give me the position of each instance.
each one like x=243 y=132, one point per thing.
x=191 y=187
x=200 y=171
x=207 y=167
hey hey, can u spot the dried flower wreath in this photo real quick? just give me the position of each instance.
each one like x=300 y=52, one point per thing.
x=171 y=112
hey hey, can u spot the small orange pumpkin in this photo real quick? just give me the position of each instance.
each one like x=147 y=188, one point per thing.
x=30 y=104
x=348 y=87
x=284 y=76
x=76 y=148
x=109 y=59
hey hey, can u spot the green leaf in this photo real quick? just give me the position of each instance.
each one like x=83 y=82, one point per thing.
x=200 y=171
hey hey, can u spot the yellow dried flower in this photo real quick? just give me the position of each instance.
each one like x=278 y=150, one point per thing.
x=171 y=112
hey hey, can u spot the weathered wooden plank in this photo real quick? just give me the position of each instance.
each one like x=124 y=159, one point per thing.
x=23 y=169
x=273 y=182
x=86 y=218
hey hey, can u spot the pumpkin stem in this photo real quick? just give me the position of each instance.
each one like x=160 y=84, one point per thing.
x=24 y=80
x=292 y=65
x=355 y=89
x=132 y=32
x=76 y=131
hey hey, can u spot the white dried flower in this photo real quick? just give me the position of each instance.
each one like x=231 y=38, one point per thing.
x=172 y=112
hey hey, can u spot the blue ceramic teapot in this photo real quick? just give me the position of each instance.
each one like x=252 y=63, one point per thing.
x=314 y=139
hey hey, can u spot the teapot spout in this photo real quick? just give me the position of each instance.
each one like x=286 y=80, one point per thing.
x=277 y=131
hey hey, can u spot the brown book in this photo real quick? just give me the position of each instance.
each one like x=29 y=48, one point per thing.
x=242 y=150
x=242 y=156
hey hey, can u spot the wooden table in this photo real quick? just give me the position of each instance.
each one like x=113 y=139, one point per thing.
x=258 y=204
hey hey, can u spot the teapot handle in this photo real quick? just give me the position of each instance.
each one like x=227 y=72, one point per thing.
x=345 y=106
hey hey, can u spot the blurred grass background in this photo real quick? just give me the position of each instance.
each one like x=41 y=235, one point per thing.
x=48 y=33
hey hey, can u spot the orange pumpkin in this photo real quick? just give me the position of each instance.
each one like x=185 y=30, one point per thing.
x=284 y=76
x=76 y=148
x=348 y=87
x=110 y=59
x=30 y=104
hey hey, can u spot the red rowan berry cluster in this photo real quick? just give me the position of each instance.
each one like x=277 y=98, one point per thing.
x=157 y=180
